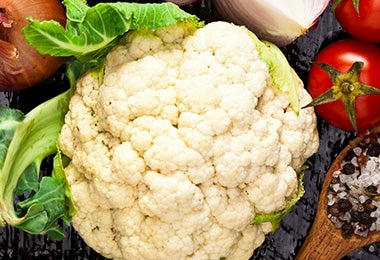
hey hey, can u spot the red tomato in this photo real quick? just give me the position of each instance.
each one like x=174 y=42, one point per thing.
x=365 y=25
x=341 y=55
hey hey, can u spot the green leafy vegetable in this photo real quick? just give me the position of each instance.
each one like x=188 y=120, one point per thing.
x=28 y=200
x=91 y=32
x=26 y=140
x=276 y=217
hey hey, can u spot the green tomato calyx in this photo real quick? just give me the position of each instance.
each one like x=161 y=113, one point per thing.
x=346 y=87
x=354 y=2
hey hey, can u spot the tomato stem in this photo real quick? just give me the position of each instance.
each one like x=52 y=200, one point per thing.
x=355 y=3
x=346 y=87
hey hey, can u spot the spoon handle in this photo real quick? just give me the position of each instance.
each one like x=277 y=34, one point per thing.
x=322 y=243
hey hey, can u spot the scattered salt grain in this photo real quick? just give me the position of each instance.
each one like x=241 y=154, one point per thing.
x=362 y=198
x=330 y=200
x=376 y=179
x=371 y=166
x=336 y=187
x=357 y=150
x=365 y=179
x=346 y=217
x=358 y=231
x=354 y=161
x=342 y=194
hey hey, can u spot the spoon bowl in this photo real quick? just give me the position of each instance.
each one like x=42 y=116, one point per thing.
x=324 y=240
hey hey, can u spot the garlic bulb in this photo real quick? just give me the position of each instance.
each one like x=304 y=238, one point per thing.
x=278 y=21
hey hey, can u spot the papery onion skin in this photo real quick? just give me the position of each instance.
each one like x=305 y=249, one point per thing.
x=271 y=25
x=182 y=2
x=21 y=66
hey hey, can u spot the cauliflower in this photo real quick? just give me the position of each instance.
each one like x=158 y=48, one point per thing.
x=181 y=144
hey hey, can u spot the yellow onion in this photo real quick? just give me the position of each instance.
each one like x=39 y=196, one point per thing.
x=278 y=21
x=21 y=66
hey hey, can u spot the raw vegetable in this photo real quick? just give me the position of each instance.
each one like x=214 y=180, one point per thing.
x=359 y=18
x=184 y=142
x=346 y=73
x=277 y=21
x=181 y=136
x=174 y=136
x=88 y=38
x=276 y=217
x=21 y=65
x=28 y=140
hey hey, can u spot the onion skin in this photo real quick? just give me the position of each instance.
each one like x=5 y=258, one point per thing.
x=21 y=66
x=182 y=2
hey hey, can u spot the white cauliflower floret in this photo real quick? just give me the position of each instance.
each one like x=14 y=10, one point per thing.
x=270 y=190
x=183 y=143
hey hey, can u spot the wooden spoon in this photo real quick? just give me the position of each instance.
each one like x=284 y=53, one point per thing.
x=324 y=240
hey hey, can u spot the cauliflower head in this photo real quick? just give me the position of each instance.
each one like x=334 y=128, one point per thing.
x=181 y=144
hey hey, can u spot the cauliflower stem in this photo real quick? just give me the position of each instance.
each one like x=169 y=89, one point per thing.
x=30 y=199
x=26 y=140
